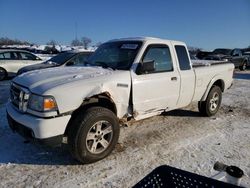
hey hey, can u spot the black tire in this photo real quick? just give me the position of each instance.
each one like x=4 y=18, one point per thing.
x=83 y=125
x=207 y=107
x=3 y=74
x=243 y=66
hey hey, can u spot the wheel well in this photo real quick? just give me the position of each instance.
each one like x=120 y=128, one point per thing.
x=102 y=100
x=220 y=84
x=5 y=71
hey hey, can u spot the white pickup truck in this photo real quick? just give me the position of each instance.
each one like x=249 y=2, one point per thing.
x=125 y=79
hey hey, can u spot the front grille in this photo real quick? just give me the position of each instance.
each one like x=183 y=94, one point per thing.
x=19 y=97
x=14 y=95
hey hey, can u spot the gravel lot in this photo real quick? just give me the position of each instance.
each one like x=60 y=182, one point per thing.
x=179 y=138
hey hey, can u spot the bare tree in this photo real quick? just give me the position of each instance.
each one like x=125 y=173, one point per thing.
x=193 y=50
x=76 y=42
x=52 y=43
x=8 y=41
x=86 y=42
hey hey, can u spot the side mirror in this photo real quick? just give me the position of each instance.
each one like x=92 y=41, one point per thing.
x=70 y=63
x=146 y=67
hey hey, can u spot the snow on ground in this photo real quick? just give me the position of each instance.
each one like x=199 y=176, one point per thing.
x=179 y=138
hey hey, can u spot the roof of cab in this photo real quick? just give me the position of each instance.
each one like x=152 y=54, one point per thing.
x=152 y=39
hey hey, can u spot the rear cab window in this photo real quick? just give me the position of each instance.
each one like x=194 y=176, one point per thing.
x=183 y=59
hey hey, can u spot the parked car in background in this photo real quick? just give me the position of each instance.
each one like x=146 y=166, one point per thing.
x=69 y=58
x=219 y=54
x=202 y=54
x=12 y=60
x=44 y=55
x=236 y=56
x=239 y=59
x=247 y=54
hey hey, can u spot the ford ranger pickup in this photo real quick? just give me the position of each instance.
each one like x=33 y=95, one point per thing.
x=125 y=80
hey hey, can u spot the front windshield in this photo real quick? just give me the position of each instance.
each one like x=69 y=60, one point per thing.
x=61 y=58
x=116 y=55
x=222 y=51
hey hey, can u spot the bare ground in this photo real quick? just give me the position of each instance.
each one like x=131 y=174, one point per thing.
x=179 y=138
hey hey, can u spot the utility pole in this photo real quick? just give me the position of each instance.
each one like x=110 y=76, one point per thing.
x=76 y=30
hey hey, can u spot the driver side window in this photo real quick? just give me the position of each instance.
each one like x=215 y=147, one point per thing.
x=161 y=56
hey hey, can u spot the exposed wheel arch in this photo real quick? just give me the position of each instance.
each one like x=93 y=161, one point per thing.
x=216 y=82
x=220 y=83
x=101 y=100
x=211 y=105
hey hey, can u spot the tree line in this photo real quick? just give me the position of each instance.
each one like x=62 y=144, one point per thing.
x=83 y=41
x=8 y=41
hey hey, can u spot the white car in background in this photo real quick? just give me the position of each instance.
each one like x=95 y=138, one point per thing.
x=12 y=60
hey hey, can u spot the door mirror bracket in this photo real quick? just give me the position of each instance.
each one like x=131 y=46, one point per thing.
x=146 y=67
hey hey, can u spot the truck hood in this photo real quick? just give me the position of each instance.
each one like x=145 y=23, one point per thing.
x=39 y=81
x=70 y=86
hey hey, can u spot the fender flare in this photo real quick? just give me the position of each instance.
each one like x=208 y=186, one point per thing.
x=211 y=83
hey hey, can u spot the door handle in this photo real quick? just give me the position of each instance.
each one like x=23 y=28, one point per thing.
x=173 y=78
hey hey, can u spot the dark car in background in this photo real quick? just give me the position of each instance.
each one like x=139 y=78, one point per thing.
x=203 y=54
x=239 y=59
x=247 y=54
x=63 y=59
x=236 y=56
x=219 y=54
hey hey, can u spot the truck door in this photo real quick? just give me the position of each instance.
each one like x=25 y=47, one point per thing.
x=187 y=75
x=157 y=90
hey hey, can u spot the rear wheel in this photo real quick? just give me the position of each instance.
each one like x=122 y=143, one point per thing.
x=243 y=66
x=211 y=105
x=3 y=73
x=93 y=135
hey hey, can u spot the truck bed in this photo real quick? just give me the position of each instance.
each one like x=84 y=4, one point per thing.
x=207 y=71
x=201 y=63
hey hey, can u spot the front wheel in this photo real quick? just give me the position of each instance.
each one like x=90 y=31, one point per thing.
x=211 y=105
x=94 y=134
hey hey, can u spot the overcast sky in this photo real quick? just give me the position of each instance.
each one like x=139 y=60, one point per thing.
x=200 y=23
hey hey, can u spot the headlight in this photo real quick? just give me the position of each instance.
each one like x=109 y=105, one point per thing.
x=42 y=104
